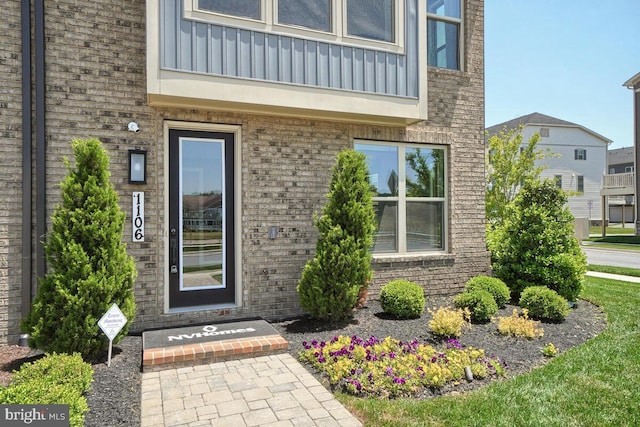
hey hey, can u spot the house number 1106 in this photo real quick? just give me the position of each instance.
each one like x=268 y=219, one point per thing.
x=137 y=217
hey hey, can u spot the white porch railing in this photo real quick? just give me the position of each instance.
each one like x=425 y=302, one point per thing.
x=618 y=184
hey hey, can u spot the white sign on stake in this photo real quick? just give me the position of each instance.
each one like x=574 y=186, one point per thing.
x=111 y=323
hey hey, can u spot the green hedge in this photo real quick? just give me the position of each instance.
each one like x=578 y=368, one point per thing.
x=496 y=287
x=54 y=379
x=544 y=303
x=480 y=303
x=402 y=299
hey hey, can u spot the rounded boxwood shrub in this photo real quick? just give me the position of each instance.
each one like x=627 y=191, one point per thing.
x=402 y=298
x=544 y=303
x=480 y=303
x=496 y=287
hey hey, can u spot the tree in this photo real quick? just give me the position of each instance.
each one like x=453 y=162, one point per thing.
x=341 y=267
x=89 y=268
x=510 y=165
x=535 y=245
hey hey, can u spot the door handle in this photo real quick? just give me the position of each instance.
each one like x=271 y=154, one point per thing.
x=173 y=246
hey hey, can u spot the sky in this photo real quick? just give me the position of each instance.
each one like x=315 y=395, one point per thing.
x=564 y=58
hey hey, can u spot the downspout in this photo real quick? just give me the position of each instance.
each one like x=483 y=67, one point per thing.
x=27 y=265
x=41 y=146
x=636 y=149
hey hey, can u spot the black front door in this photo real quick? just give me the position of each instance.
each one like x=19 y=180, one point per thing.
x=201 y=218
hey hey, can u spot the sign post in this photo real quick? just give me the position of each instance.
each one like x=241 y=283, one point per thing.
x=111 y=323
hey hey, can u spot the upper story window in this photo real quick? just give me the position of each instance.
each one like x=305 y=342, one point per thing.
x=371 y=19
x=369 y=23
x=580 y=154
x=558 y=180
x=315 y=15
x=544 y=132
x=240 y=8
x=444 y=22
x=628 y=169
x=409 y=181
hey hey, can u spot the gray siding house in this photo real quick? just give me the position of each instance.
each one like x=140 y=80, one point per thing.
x=239 y=110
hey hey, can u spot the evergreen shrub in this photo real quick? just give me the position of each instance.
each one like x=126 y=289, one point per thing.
x=53 y=379
x=341 y=267
x=402 y=299
x=496 y=287
x=535 y=245
x=544 y=303
x=480 y=303
x=88 y=266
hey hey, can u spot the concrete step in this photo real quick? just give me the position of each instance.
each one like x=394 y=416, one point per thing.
x=210 y=343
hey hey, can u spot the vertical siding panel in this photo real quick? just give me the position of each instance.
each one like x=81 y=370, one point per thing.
x=369 y=71
x=285 y=59
x=200 y=51
x=184 y=60
x=381 y=72
x=217 y=50
x=311 y=62
x=169 y=34
x=323 y=64
x=259 y=56
x=272 y=57
x=336 y=69
x=392 y=77
x=347 y=68
x=297 y=74
x=244 y=53
x=401 y=76
x=358 y=69
x=230 y=54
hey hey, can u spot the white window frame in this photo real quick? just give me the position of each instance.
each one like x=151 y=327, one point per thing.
x=450 y=20
x=628 y=169
x=402 y=199
x=338 y=34
x=578 y=179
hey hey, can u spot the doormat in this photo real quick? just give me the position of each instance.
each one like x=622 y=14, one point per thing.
x=206 y=333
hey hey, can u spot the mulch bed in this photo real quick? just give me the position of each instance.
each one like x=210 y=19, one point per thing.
x=114 y=399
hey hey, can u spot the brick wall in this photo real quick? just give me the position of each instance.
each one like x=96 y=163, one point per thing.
x=11 y=176
x=96 y=85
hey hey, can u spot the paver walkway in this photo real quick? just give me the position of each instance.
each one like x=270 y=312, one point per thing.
x=274 y=391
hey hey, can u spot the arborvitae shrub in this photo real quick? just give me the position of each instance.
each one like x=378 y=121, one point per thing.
x=496 y=287
x=88 y=265
x=544 y=303
x=331 y=281
x=480 y=303
x=536 y=246
x=402 y=299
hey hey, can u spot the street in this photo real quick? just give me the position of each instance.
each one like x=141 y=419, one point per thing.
x=612 y=257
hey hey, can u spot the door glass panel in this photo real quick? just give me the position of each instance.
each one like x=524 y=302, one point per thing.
x=202 y=214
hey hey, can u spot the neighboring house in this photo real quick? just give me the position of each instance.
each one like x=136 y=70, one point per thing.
x=620 y=173
x=634 y=84
x=578 y=159
x=240 y=109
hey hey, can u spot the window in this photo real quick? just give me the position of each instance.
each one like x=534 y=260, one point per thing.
x=368 y=23
x=315 y=15
x=580 y=184
x=580 y=154
x=444 y=21
x=371 y=19
x=544 y=132
x=558 y=180
x=240 y=8
x=612 y=171
x=628 y=169
x=409 y=200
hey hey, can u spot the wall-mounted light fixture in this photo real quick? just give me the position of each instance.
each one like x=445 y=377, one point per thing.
x=137 y=166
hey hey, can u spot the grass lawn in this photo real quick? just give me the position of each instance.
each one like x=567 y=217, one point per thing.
x=614 y=270
x=595 y=384
x=629 y=229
